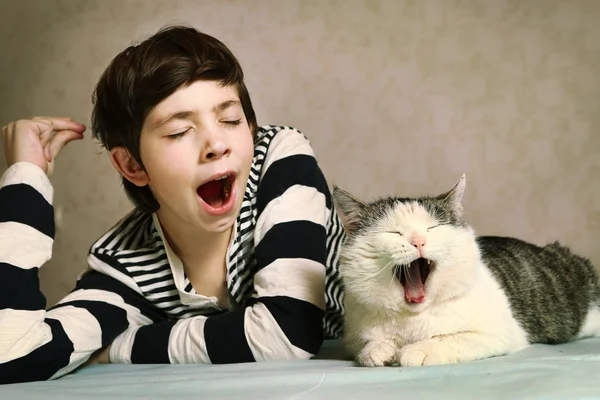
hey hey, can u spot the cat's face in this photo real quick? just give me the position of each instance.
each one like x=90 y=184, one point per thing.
x=406 y=253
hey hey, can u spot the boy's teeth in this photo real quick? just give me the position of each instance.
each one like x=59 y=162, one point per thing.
x=223 y=177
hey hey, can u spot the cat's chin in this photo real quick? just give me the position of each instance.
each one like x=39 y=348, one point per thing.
x=414 y=308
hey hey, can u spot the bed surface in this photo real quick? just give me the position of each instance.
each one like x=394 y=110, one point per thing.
x=569 y=371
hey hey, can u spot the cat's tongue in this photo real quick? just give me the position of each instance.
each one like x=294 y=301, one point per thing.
x=413 y=288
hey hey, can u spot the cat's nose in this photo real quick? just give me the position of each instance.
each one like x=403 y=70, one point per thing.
x=418 y=242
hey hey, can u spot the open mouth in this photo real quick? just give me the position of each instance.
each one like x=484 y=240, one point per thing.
x=413 y=278
x=216 y=194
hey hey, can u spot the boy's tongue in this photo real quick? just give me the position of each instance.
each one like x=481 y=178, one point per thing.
x=413 y=289
x=211 y=192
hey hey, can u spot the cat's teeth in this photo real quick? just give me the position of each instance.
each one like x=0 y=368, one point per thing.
x=428 y=262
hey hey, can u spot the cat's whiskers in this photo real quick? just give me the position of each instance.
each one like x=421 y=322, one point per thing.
x=396 y=267
x=391 y=281
x=380 y=271
x=406 y=268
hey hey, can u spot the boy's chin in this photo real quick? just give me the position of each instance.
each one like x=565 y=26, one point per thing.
x=220 y=223
x=221 y=226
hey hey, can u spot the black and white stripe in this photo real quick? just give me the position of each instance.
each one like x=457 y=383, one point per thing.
x=284 y=284
x=36 y=344
x=145 y=258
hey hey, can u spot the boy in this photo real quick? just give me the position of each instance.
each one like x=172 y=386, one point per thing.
x=230 y=254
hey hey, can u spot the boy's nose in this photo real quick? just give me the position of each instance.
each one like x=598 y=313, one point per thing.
x=215 y=149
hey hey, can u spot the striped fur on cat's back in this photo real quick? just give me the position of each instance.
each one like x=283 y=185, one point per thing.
x=421 y=288
x=549 y=288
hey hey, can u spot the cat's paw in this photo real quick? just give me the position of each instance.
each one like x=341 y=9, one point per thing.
x=376 y=355
x=427 y=352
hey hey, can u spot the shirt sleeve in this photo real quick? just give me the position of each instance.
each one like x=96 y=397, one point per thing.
x=36 y=344
x=284 y=320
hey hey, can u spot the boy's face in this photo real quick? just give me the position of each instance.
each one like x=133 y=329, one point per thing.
x=197 y=149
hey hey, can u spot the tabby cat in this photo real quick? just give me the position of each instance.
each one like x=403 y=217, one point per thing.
x=421 y=288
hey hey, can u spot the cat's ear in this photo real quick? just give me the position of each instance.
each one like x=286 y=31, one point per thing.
x=455 y=195
x=348 y=207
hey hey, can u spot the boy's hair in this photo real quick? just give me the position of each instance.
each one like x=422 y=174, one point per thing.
x=143 y=75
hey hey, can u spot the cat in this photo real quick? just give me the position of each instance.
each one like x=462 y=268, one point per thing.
x=422 y=289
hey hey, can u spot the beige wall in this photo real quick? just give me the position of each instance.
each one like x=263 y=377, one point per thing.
x=396 y=96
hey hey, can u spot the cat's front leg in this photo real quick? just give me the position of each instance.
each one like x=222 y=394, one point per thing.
x=371 y=346
x=451 y=349
x=376 y=354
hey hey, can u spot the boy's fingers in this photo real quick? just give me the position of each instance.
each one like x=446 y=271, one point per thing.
x=61 y=123
x=46 y=132
x=49 y=118
x=47 y=152
x=59 y=141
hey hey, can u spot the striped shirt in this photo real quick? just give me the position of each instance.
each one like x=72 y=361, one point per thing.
x=285 y=291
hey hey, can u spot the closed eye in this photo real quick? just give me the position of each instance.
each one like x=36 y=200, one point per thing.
x=435 y=226
x=395 y=232
x=233 y=123
x=178 y=134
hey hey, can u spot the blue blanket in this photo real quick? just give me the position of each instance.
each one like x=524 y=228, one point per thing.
x=569 y=371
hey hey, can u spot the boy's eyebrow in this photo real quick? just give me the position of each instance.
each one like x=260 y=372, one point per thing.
x=222 y=106
x=172 y=116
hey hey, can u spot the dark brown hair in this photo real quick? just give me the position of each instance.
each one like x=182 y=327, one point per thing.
x=141 y=76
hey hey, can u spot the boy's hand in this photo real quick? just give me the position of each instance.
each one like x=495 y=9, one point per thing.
x=101 y=356
x=39 y=140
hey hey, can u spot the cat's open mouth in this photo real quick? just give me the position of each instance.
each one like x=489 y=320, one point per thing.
x=413 y=278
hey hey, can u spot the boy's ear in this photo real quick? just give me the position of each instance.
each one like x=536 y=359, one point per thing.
x=128 y=166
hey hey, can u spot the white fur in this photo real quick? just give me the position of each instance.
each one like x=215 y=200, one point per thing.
x=465 y=315
x=591 y=324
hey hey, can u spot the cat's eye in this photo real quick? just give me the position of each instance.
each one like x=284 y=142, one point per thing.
x=395 y=232
x=435 y=226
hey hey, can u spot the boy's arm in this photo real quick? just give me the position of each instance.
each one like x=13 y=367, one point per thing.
x=35 y=344
x=284 y=320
